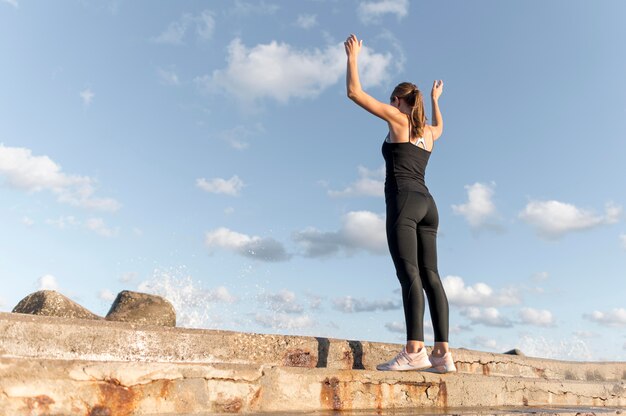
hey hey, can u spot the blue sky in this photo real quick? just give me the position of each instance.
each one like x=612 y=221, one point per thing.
x=206 y=151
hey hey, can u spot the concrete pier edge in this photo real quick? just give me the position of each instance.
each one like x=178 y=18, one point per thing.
x=60 y=366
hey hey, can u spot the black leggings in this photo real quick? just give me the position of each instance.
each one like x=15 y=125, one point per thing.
x=412 y=221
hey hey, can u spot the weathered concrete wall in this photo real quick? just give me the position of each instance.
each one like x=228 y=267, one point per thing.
x=48 y=337
x=56 y=366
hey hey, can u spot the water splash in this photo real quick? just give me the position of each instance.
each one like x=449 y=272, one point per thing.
x=194 y=304
x=563 y=349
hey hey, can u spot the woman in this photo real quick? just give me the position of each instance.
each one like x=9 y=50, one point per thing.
x=412 y=217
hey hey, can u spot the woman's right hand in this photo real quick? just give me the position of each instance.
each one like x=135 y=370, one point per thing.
x=437 y=89
x=353 y=46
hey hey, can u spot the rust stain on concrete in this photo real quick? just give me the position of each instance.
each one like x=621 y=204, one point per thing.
x=330 y=396
x=256 y=397
x=115 y=399
x=100 y=411
x=299 y=358
x=40 y=404
x=228 y=404
x=165 y=388
x=540 y=372
x=442 y=397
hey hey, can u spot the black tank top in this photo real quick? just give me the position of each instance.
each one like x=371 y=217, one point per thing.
x=405 y=167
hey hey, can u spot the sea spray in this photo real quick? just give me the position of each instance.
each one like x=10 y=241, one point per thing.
x=195 y=305
x=563 y=349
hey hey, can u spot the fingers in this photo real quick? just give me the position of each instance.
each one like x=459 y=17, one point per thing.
x=352 y=44
x=437 y=84
x=353 y=39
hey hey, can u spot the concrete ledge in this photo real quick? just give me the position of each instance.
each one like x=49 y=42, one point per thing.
x=57 y=338
x=58 y=366
x=38 y=387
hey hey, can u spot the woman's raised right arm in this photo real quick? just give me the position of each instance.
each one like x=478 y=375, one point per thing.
x=355 y=91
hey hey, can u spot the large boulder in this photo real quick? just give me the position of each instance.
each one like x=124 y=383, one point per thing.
x=142 y=308
x=52 y=303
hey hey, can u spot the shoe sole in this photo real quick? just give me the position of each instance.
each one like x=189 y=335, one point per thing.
x=441 y=370
x=404 y=369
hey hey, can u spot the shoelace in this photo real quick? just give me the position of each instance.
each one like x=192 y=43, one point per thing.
x=404 y=354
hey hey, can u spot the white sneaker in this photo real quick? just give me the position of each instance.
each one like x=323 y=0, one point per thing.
x=406 y=361
x=443 y=364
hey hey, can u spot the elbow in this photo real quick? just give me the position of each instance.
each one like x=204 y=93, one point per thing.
x=352 y=94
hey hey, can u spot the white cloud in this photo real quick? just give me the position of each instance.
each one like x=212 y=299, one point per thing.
x=372 y=11
x=306 y=21
x=486 y=316
x=536 y=317
x=622 y=238
x=399 y=327
x=283 y=321
x=12 y=3
x=264 y=249
x=27 y=221
x=106 y=295
x=585 y=334
x=540 y=276
x=47 y=282
x=479 y=210
x=87 y=96
x=360 y=230
x=175 y=32
x=98 y=226
x=614 y=318
x=283 y=301
x=280 y=71
x=484 y=342
x=127 y=277
x=230 y=186
x=63 y=222
x=370 y=183
x=221 y=294
x=204 y=25
x=238 y=137
x=315 y=301
x=244 y=8
x=479 y=294
x=167 y=77
x=24 y=171
x=348 y=304
x=553 y=219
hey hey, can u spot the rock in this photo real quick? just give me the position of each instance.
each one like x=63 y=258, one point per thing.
x=515 y=351
x=142 y=308
x=52 y=303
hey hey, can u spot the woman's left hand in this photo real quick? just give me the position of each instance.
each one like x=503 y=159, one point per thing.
x=353 y=46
